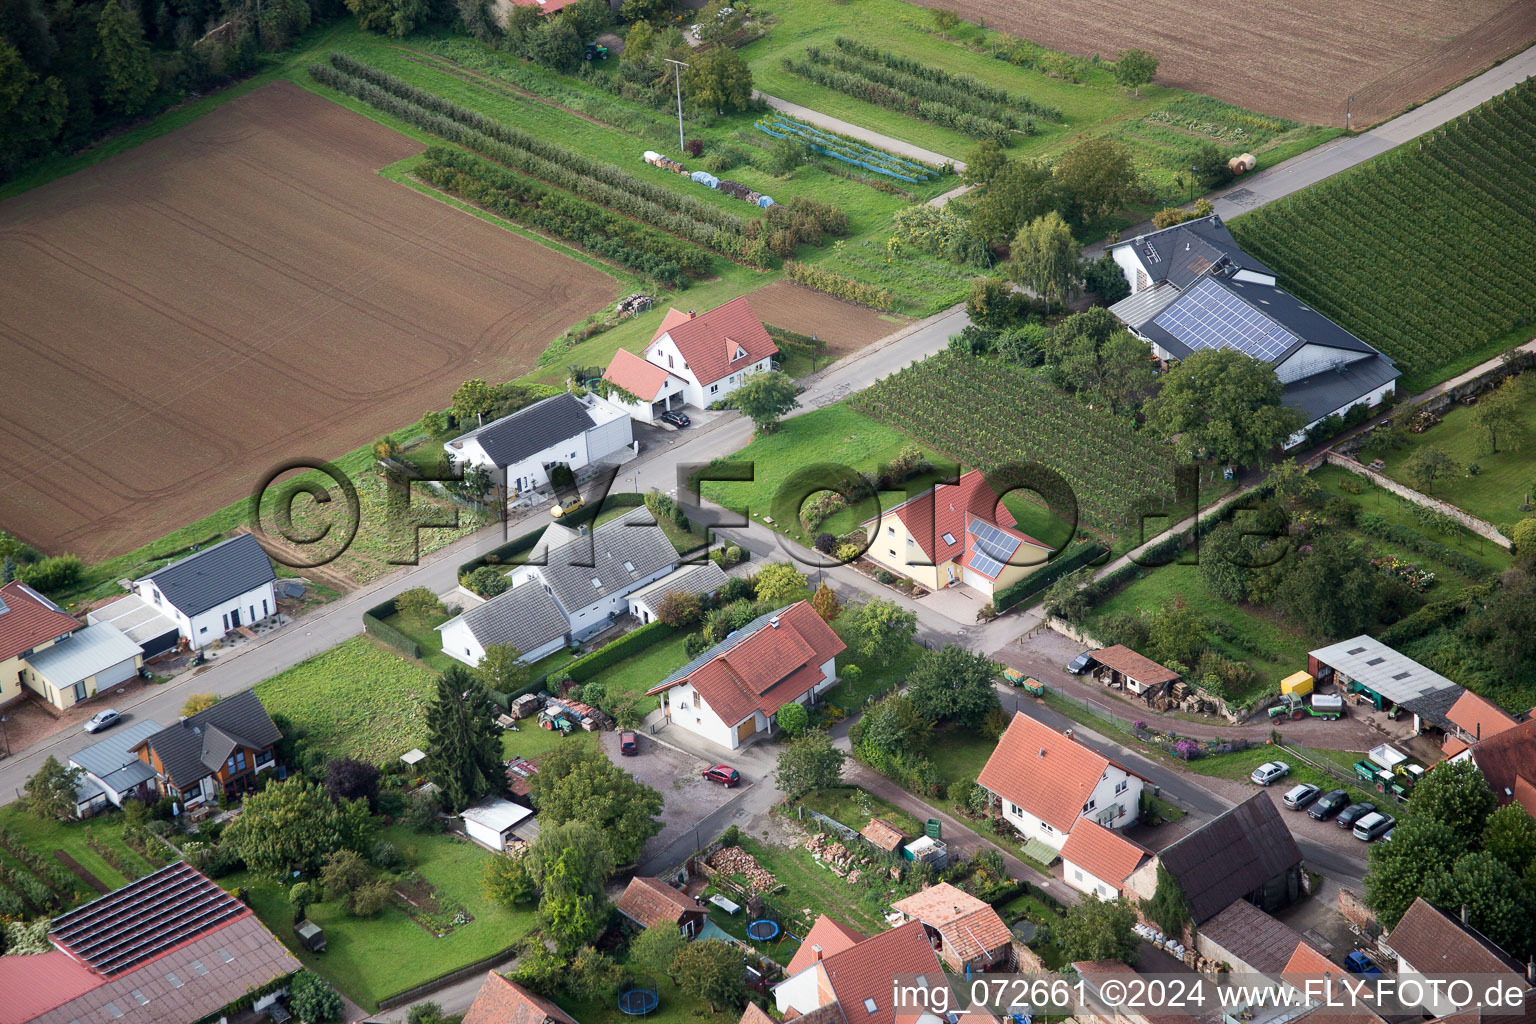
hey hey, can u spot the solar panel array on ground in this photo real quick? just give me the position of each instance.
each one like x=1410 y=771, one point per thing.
x=1209 y=316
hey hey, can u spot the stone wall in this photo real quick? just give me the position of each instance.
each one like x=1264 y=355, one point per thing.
x=1481 y=527
x=1354 y=910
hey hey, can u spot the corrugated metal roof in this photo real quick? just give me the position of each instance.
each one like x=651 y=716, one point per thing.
x=215 y=575
x=83 y=654
x=140 y=621
x=1135 y=310
x=1387 y=672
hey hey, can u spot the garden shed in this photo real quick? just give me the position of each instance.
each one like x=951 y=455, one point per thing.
x=499 y=824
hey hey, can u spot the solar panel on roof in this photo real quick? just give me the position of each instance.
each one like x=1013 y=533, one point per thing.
x=1209 y=316
x=993 y=547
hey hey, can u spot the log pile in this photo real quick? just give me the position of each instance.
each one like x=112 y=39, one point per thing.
x=733 y=860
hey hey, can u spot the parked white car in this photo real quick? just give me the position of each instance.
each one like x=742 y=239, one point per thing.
x=1269 y=771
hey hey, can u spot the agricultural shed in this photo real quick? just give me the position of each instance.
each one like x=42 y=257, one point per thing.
x=1248 y=939
x=970 y=934
x=1388 y=678
x=1134 y=672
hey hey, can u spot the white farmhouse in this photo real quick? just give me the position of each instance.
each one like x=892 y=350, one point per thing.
x=731 y=692
x=1193 y=288
x=704 y=357
x=592 y=576
x=562 y=430
x=219 y=589
x=1048 y=782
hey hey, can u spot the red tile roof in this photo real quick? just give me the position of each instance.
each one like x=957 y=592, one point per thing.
x=883 y=834
x=1438 y=945
x=832 y=936
x=710 y=341
x=1048 y=774
x=1306 y=960
x=767 y=669
x=946 y=509
x=1451 y=745
x=35 y=984
x=635 y=375
x=651 y=901
x=1479 y=718
x=1103 y=853
x=865 y=971
x=502 y=1001
x=1508 y=758
x=29 y=619
x=755 y=1014
x=1128 y=663
x=970 y=927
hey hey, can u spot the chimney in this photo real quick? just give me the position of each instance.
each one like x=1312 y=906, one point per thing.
x=1067 y=733
x=1530 y=971
x=691 y=314
x=817 y=950
x=774 y=622
x=1466 y=915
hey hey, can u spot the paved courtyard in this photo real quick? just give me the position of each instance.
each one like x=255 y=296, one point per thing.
x=676 y=776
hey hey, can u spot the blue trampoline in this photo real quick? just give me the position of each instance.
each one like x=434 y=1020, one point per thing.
x=763 y=930
x=638 y=998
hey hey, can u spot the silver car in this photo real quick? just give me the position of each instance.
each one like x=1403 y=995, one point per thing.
x=103 y=720
x=1269 y=771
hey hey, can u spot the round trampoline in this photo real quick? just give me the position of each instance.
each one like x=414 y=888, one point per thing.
x=638 y=998
x=763 y=930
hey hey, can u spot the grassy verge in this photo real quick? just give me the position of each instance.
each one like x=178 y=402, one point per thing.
x=854 y=807
x=423 y=629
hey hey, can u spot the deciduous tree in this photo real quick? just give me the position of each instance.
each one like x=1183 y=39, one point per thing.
x=472 y=399
x=654 y=950
x=680 y=609
x=718 y=78
x=1100 y=176
x=953 y=685
x=347 y=778
x=780 y=583
x=1096 y=929
x=880 y=630
x=580 y=784
x=1134 y=69
x=1018 y=192
x=1456 y=794
x=1223 y=405
x=312 y=999
x=295 y=825
x=571 y=863
x=710 y=970
x=507 y=881
x=983 y=162
x=1044 y=258
x=1510 y=835
x=810 y=762
x=1428 y=465
x=825 y=601
x=50 y=792
x=593 y=975
x=123 y=60
x=793 y=718
x=765 y=397
x=1499 y=415
x=419 y=602
x=503 y=669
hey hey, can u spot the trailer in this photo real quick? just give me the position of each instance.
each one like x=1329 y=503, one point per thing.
x=1329 y=706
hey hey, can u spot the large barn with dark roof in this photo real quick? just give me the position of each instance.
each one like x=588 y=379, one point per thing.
x=1193 y=288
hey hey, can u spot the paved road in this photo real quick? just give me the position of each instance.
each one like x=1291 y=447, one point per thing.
x=833 y=124
x=1341 y=154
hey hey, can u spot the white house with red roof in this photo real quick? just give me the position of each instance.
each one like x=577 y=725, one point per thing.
x=702 y=357
x=1048 y=782
x=731 y=692
x=1099 y=860
x=860 y=980
x=955 y=534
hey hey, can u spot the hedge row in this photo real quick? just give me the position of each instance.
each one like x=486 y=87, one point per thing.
x=969 y=84
x=862 y=88
x=837 y=285
x=373 y=622
x=627 y=646
x=923 y=89
x=524 y=201
x=1043 y=577
x=658 y=206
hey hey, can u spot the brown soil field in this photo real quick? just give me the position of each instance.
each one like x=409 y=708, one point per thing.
x=844 y=326
x=183 y=317
x=1297 y=58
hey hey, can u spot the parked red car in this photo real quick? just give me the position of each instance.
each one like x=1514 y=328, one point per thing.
x=723 y=774
x=628 y=746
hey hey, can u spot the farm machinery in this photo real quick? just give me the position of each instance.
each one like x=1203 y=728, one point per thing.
x=1324 y=705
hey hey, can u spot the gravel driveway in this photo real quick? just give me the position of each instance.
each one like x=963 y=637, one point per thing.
x=676 y=776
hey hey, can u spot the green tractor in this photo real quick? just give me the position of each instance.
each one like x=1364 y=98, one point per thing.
x=596 y=51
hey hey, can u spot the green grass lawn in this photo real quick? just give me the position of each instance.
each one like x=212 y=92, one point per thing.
x=854 y=807
x=423 y=629
x=1240 y=764
x=876 y=678
x=1503 y=481
x=371 y=958
x=639 y=673
x=959 y=755
x=69 y=836
x=359 y=699
x=809 y=890
x=1260 y=637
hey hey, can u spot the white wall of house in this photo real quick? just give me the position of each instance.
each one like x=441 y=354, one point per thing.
x=701 y=720
x=1130 y=265
x=1372 y=400
x=665 y=353
x=1114 y=803
x=460 y=643
x=803 y=992
x=1084 y=880
x=597 y=615
x=610 y=435
x=484 y=835
x=1434 y=1006
x=204 y=628
x=1031 y=827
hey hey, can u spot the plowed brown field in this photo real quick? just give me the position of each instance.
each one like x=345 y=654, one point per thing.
x=245 y=290
x=1298 y=58
x=844 y=326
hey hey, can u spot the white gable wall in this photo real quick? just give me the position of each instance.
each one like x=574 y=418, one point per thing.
x=803 y=992
x=1114 y=803
x=699 y=394
x=1083 y=880
x=204 y=628
x=701 y=720
x=1130 y=265
x=1311 y=359
x=1372 y=400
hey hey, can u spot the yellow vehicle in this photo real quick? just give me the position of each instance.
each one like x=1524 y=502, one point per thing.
x=566 y=506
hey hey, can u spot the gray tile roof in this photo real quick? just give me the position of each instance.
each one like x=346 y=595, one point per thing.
x=525 y=616
x=1231 y=856
x=84 y=653
x=215 y=575
x=195 y=747
x=529 y=431
x=704 y=578
x=113 y=761
x=1320 y=394
x=1163 y=252
x=633 y=538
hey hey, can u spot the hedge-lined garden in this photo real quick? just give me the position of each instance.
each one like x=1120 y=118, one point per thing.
x=839 y=286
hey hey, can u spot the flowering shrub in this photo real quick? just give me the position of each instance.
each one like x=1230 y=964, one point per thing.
x=1418 y=578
